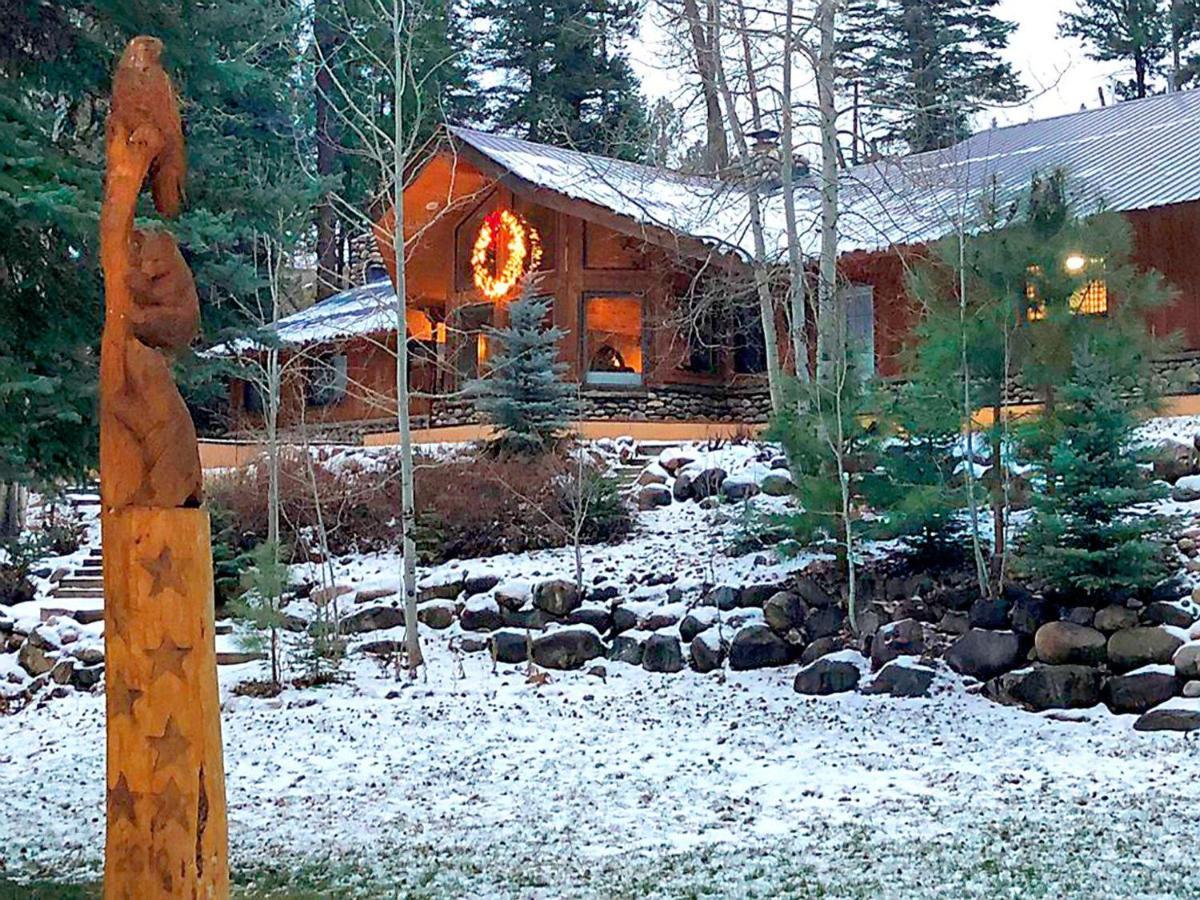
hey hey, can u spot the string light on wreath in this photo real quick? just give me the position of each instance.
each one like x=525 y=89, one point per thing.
x=523 y=245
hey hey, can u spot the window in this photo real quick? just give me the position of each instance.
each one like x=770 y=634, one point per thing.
x=859 y=302
x=470 y=342
x=749 y=347
x=1089 y=300
x=327 y=380
x=612 y=340
x=252 y=398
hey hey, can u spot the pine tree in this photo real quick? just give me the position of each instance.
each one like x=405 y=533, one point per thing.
x=1091 y=532
x=926 y=66
x=523 y=394
x=563 y=74
x=1134 y=31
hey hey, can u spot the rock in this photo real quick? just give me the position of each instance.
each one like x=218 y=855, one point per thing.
x=1080 y=615
x=738 y=487
x=699 y=619
x=1178 y=714
x=62 y=670
x=672 y=459
x=756 y=595
x=598 y=671
x=372 y=594
x=827 y=675
x=89 y=655
x=527 y=618
x=991 y=613
x=785 y=611
x=1186 y=489
x=954 y=623
x=984 y=654
x=818 y=648
x=436 y=614
x=1132 y=648
x=373 y=618
x=707 y=651
x=439 y=590
x=777 y=483
x=903 y=638
x=662 y=653
x=902 y=678
x=654 y=474
x=723 y=597
x=481 y=613
x=386 y=647
x=707 y=483
x=1060 y=643
x=599 y=617
x=1168 y=612
x=1142 y=689
x=508 y=645
x=33 y=659
x=480 y=584
x=87 y=677
x=1041 y=687
x=757 y=647
x=662 y=617
x=238 y=657
x=812 y=593
x=1187 y=660
x=513 y=594
x=474 y=643
x=324 y=595
x=652 y=496
x=1115 y=618
x=623 y=619
x=681 y=490
x=44 y=637
x=627 y=648
x=568 y=647
x=825 y=621
x=1029 y=612
x=556 y=596
x=1173 y=460
x=1192 y=689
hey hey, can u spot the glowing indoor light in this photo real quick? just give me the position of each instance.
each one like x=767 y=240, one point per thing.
x=1075 y=263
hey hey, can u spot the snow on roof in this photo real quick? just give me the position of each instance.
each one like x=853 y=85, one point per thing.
x=369 y=309
x=1132 y=155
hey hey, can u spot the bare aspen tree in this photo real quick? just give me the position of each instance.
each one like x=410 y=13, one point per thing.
x=797 y=293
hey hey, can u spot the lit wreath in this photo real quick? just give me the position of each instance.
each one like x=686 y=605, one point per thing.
x=524 y=253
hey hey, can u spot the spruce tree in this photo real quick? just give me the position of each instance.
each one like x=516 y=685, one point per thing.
x=926 y=66
x=1091 y=532
x=523 y=394
x=563 y=75
x=1135 y=31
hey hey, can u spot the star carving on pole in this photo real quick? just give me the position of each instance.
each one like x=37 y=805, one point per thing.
x=169 y=806
x=170 y=746
x=122 y=802
x=122 y=696
x=167 y=657
x=162 y=569
x=131 y=859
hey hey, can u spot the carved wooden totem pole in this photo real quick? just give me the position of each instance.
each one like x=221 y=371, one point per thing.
x=166 y=833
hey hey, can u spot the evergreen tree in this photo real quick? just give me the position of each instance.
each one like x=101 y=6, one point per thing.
x=563 y=74
x=1091 y=531
x=926 y=66
x=1134 y=31
x=523 y=394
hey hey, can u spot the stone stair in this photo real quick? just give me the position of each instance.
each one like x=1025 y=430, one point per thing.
x=626 y=472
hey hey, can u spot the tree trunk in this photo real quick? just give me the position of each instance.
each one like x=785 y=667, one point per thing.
x=706 y=49
x=796 y=272
x=327 y=243
x=830 y=328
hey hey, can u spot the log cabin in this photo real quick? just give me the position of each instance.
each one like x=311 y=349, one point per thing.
x=650 y=270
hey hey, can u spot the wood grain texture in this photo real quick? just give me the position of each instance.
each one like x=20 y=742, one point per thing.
x=166 y=832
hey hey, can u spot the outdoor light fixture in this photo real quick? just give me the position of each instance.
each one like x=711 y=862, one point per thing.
x=1075 y=263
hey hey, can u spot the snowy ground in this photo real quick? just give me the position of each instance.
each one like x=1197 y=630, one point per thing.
x=474 y=783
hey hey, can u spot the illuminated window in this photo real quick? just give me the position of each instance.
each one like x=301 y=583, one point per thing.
x=1089 y=300
x=613 y=340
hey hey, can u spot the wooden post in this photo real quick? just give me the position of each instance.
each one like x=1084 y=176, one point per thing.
x=166 y=834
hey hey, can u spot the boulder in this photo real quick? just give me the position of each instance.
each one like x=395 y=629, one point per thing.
x=757 y=647
x=1187 y=660
x=440 y=590
x=662 y=617
x=1079 y=615
x=652 y=496
x=87 y=677
x=436 y=614
x=1115 y=618
x=322 y=596
x=985 y=654
x=33 y=659
x=991 y=613
x=1142 y=689
x=1172 y=460
x=902 y=678
x=654 y=474
x=556 y=596
x=1132 y=648
x=812 y=593
x=738 y=487
x=513 y=594
x=673 y=459
x=954 y=623
x=818 y=648
x=1168 y=612
x=777 y=483
x=1061 y=643
x=372 y=594
x=903 y=638
x=825 y=621
x=707 y=651
x=785 y=611
x=1191 y=689
x=480 y=584
x=682 y=488
x=662 y=653
x=508 y=645
x=1040 y=686
x=1029 y=612
x=1186 y=489
x=827 y=675
x=756 y=595
x=599 y=617
x=568 y=647
x=699 y=619
x=707 y=483
x=529 y=617
x=386 y=647
x=628 y=648
x=373 y=618
x=481 y=613
x=723 y=597
x=623 y=619
x=1177 y=714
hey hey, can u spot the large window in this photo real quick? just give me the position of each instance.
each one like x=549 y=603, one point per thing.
x=749 y=347
x=467 y=324
x=327 y=379
x=1089 y=300
x=612 y=339
x=860 y=327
